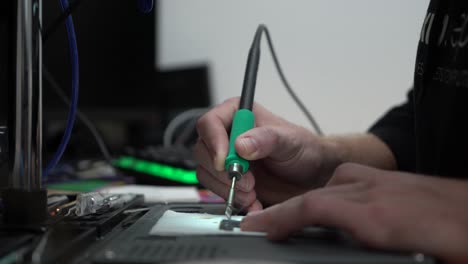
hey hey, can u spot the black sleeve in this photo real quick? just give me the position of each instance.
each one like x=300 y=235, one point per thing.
x=396 y=129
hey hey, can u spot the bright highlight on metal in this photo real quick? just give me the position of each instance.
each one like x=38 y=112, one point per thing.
x=230 y=200
x=157 y=169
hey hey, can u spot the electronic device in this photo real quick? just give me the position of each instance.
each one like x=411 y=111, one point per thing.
x=69 y=236
x=317 y=245
x=118 y=90
x=117 y=47
x=134 y=244
x=159 y=165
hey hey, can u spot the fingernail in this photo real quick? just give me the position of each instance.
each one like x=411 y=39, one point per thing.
x=249 y=144
x=219 y=163
x=248 y=223
x=250 y=215
x=254 y=213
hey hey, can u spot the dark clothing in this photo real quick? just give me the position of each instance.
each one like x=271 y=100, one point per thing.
x=429 y=133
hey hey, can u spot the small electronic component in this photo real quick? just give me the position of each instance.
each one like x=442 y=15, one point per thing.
x=64 y=210
x=90 y=203
x=57 y=200
x=229 y=225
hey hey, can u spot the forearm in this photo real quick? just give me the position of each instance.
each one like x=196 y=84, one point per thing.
x=364 y=149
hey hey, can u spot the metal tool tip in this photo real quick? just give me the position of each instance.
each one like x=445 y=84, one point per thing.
x=230 y=200
x=228 y=212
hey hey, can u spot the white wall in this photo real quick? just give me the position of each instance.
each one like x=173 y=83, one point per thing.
x=348 y=60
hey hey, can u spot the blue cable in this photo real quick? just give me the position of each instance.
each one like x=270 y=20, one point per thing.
x=74 y=96
x=145 y=6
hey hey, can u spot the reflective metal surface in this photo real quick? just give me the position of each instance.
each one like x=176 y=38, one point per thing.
x=27 y=161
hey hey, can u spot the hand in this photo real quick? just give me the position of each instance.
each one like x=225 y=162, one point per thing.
x=287 y=159
x=384 y=209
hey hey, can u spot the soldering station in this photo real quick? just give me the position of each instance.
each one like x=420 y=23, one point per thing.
x=60 y=203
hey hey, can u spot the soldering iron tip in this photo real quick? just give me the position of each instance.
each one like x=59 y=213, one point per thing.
x=230 y=200
x=228 y=212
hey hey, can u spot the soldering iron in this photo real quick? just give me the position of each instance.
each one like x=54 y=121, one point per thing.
x=244 y=120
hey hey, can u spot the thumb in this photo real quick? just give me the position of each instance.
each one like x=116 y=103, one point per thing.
x=278 y=143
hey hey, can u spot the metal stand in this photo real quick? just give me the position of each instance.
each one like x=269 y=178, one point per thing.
x=25 y=201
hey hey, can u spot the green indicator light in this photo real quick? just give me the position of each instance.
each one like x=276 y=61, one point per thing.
x=157 y=169
x=153 y=169
x=140 y=166
x=167 y=171
x=124 y=162
x=81 y=186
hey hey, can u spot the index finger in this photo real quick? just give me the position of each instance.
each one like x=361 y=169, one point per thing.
x=283 y=219
x=213 y=128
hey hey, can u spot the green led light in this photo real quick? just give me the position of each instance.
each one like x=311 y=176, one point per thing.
x=125 y=161
x=157 y=169
x=81 y=186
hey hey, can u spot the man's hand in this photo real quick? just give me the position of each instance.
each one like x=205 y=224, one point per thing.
x=384 y=209
x=287 y=160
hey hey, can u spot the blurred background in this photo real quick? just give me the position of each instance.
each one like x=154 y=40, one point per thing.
x=349 y=61
x=145 y=77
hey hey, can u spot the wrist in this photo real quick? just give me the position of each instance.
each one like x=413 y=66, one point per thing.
x=364 y=149
x=334 y=153
x=327 y=154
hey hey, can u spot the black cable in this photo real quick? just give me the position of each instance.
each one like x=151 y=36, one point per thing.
x=263 y=28
x=81 y=116
x=251 y=69
x=188 y=130
x=60 y=19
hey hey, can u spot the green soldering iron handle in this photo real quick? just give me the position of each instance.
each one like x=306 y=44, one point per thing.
x=243 y=121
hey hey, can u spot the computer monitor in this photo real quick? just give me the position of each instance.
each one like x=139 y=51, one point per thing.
x=120 y=89
x=116 y=46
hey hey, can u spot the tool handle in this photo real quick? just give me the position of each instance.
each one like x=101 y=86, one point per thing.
x=243 y=120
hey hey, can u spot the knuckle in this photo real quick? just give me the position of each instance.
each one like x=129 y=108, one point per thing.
x=246 y=199
x=315 y=209
x=310 y=203
x=271 y=134
x=266 y=139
